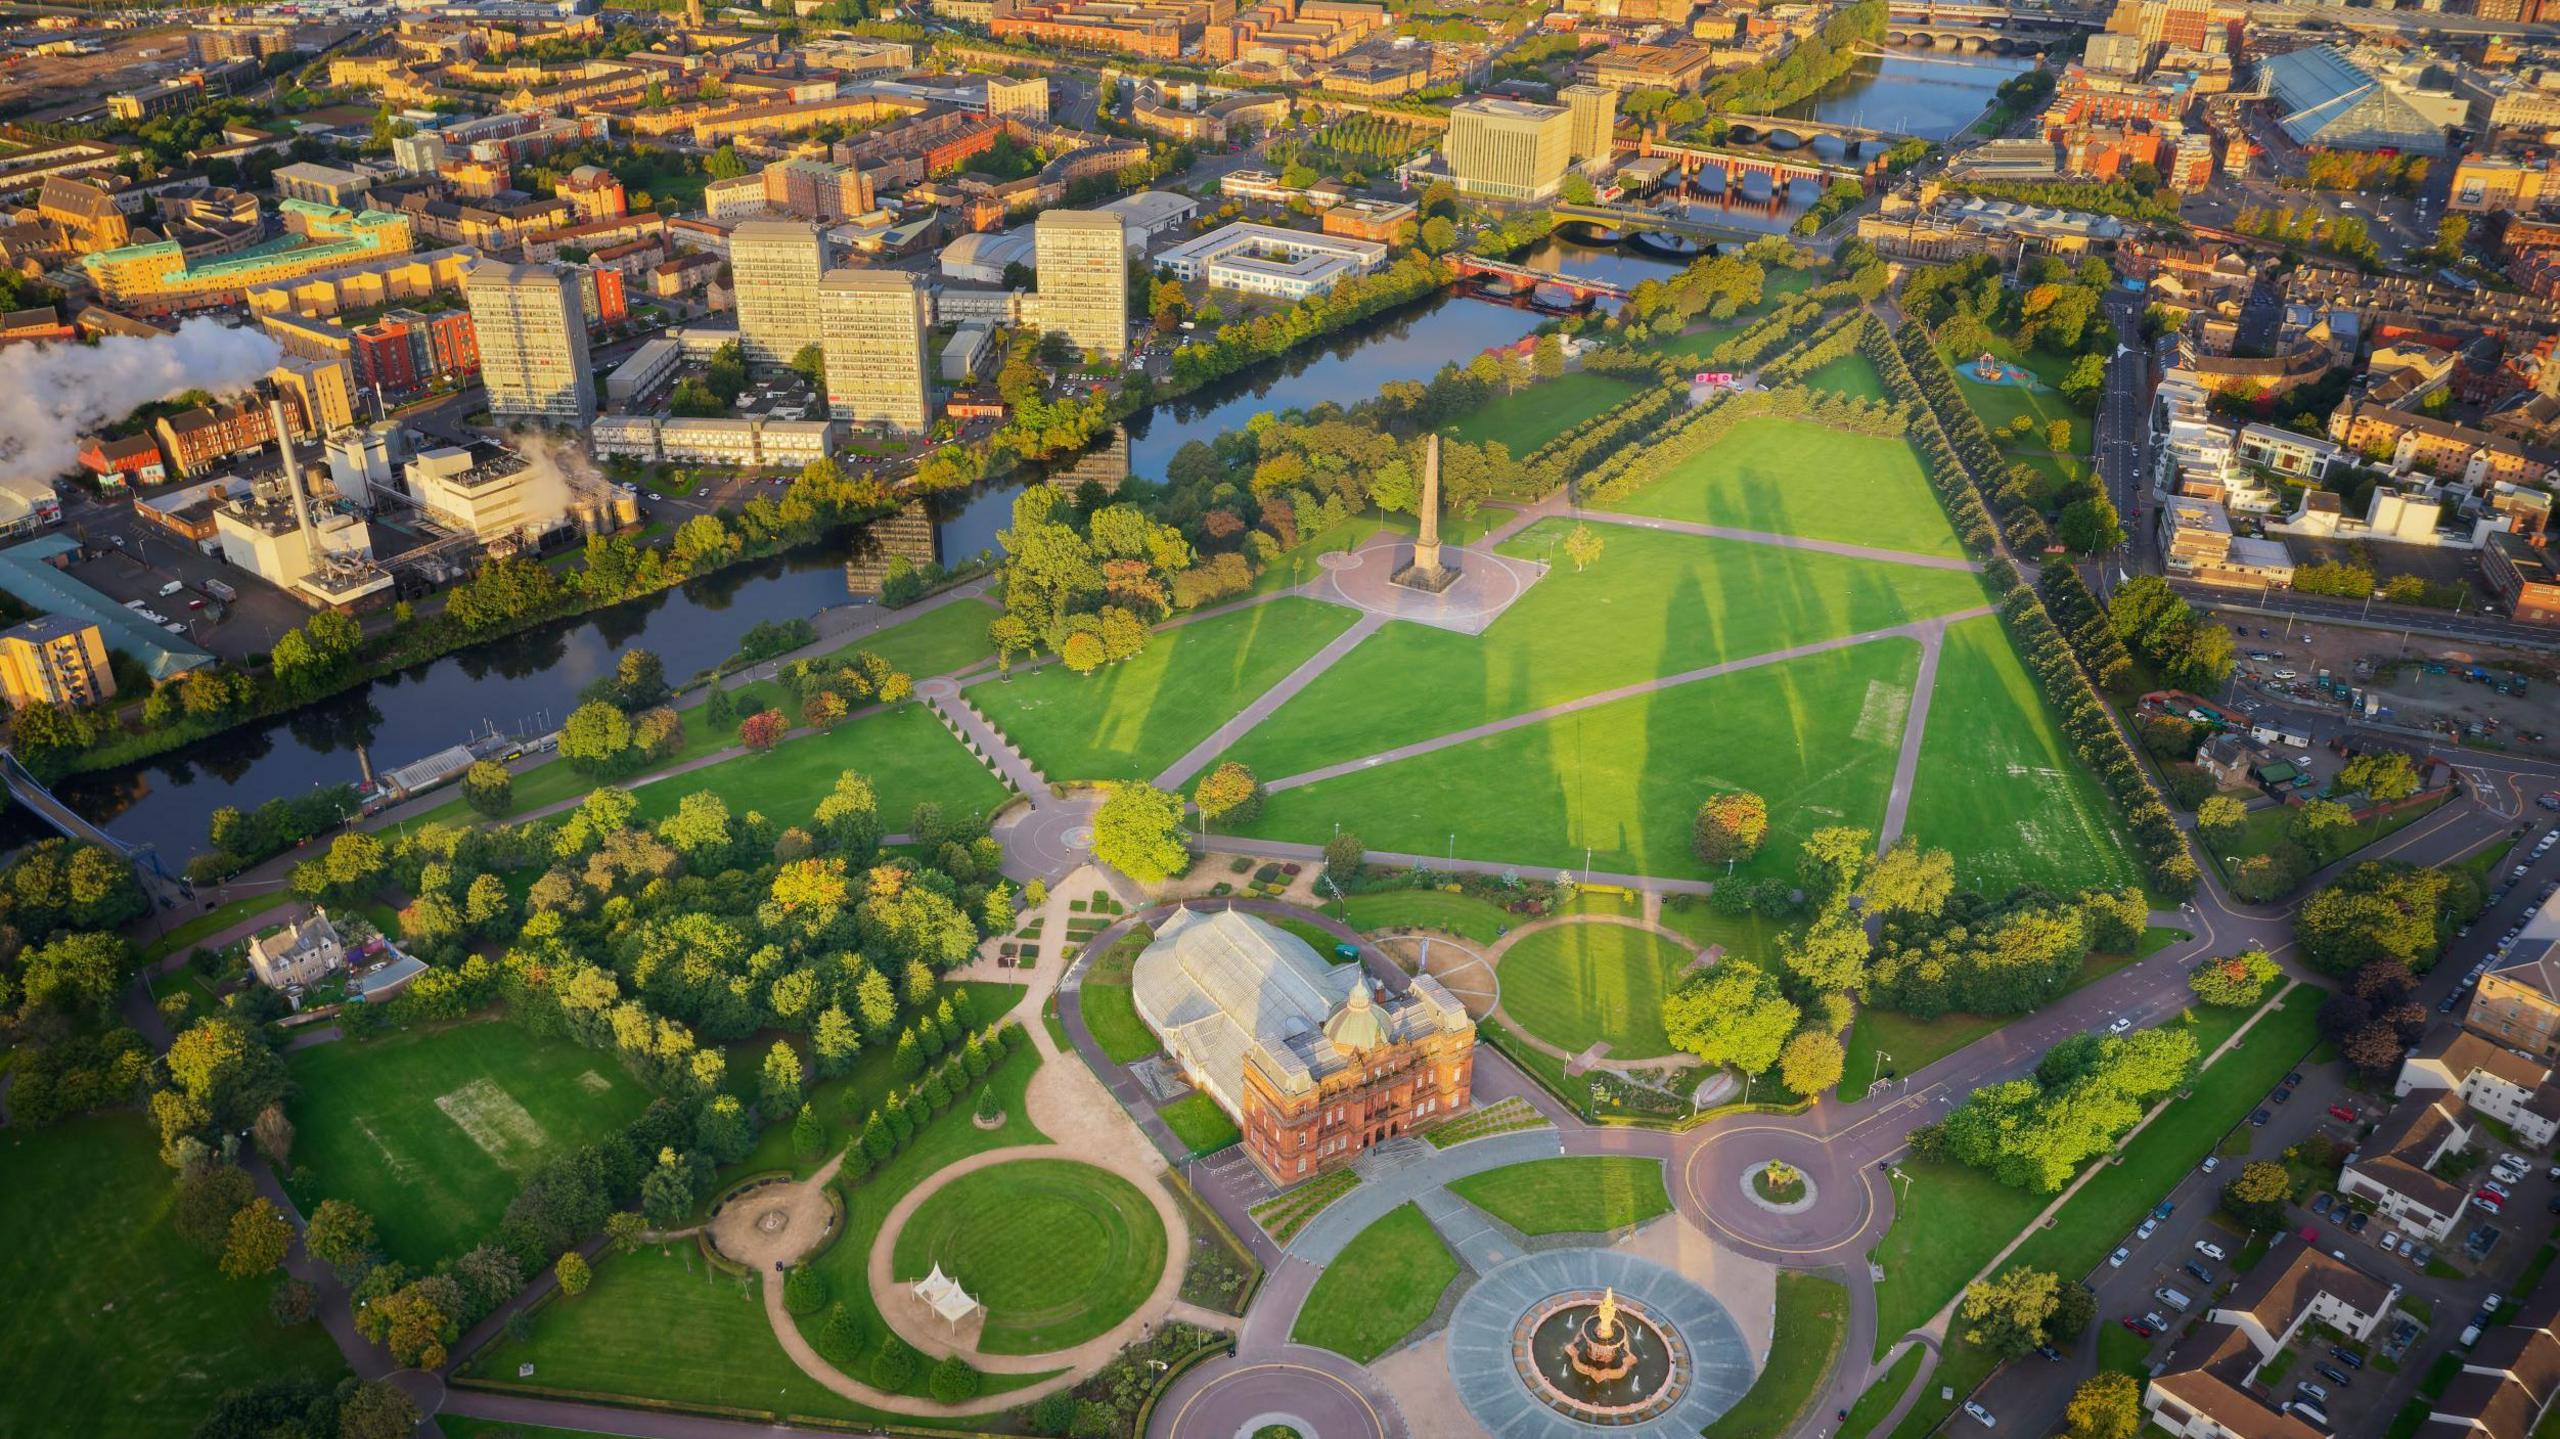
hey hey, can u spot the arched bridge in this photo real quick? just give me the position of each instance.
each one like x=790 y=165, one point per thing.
x=1582 y=287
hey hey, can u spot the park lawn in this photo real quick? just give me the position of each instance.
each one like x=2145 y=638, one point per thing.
x=1852 y=375
x=1915 y=1043
x=1132 y=719
x=1576 y=985
x=1199 y=1123
x=1668 y=604
x=1524 y=421
x=1999 y=788
x=950 y=1138
x=1617 y=786
x=1058 y=1250
x=1996 y=405
x=937 y=642
x=1784 y=476
x=1463 y=915
x=433 y=1131
x=1812 y=1319
x=118 y=1326
x=1384 y=1282
x=1588 y=1194
x=910 y=758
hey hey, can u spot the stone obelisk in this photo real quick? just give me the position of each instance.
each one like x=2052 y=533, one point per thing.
x=1428 y=572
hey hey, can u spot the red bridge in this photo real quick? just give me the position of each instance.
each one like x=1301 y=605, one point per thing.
x=1582 y=287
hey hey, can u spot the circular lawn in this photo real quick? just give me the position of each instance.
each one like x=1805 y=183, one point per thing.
x=1577 y=985
x=1058 y=1251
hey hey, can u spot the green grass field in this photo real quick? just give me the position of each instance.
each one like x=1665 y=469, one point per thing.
x=1853 y=375
x=1668 y=603
x=1577 y=985
x=1813 y=1316
x=1132 y=719
x=1794 y=477
x=908 y=755
x=1818 y=736
x=119 y=1327
x=1539 y=413
x=1058 y=1251
x=432 y=1131
x=1589 y=1194
x=1384 y=1282
x=1999 y=788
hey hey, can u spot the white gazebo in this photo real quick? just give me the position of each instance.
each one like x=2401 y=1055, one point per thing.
x=943 y=1295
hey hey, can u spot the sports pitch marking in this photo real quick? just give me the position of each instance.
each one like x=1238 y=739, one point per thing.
x=495 y=1122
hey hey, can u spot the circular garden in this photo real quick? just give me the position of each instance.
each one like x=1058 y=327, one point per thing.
x=1059 y=1251
x=1576 y=985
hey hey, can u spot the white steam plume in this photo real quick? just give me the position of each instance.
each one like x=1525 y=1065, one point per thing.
x=52 y=394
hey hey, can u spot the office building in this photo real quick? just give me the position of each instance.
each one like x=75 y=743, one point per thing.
x=1509 y=149
x=532 y=338
x=776 y=265
x=56 y=661
x=1595 y=121
x=1082 y=260
x=874 y=325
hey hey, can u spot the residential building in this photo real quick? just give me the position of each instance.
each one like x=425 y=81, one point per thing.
x=1508 y=149
x=1269 y=260
x=2507 y=1087
x=872 y=324
x=300 y=954
x=1082 y=261
x=2395 y=1166
x=531 y=335
x=1595 y=122
x=54 y=660
x=775 y=265
x=1313 y=1066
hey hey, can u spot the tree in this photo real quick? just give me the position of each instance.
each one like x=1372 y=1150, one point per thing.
x=258 y=1240
x=1582 y=545
x=1731 y=1015
x=1811 y=1063
x=2233 y=980
x=489 y=788
x=1228 y=793
x=375 y=1409
x=1730 y=826
x=573 y=1273
x=2257 y=1195
x=2006 y=1314
x=763 y=730
x=1138 y=831
x=2107 y=1405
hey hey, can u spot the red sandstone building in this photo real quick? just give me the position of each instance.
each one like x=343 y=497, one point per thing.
x=1312 y=1064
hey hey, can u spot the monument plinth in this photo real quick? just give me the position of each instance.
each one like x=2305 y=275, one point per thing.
x=1425 y=570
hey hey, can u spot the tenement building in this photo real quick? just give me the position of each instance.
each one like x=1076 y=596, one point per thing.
x=1311 y=1063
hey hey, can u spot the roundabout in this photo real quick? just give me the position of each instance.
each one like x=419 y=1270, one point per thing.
x=1059 y=1251
x=1584 y=1341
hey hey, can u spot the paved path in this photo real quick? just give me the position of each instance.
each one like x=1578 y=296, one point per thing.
x=1179 y=773
x=1784 y=542
x=1923 y=630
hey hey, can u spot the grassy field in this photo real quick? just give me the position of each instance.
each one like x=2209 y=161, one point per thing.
x=1199 y=1123
x=1384 y=1282
x=1794 y=477
x=1577 y=985
x=1058 y=1251
x=1524 y=421
x=1582 y=1195
x=1853 y=375
x=432 y=1131
x=1619 y=784
x=908 y=755
x=119 y=1327
x=1132 y=719
x=1813 y=1315
x=1999 y=788
x=1668 y=603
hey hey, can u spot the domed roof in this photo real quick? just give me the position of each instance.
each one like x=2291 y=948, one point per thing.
x=1356 y=1027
